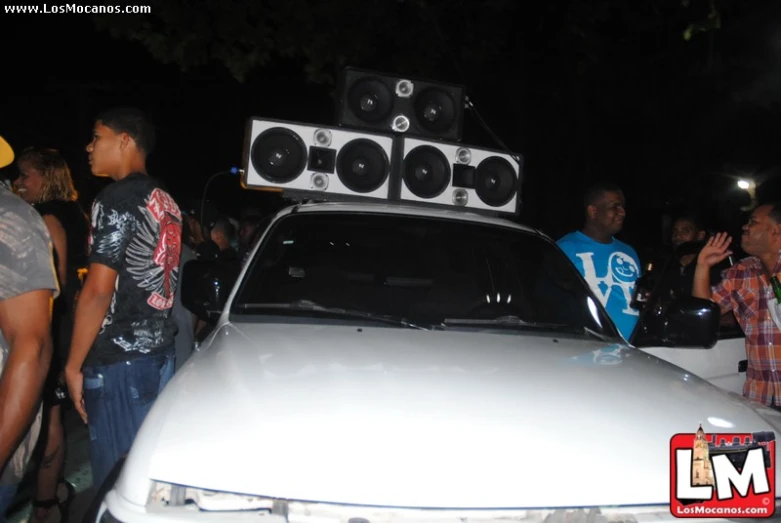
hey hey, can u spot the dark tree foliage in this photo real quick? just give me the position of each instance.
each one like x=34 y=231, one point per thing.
x=647 y=93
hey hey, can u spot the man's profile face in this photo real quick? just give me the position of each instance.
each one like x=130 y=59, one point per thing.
x=609 y=211
x=761 y=234
x=105 y=150
x=686 y=231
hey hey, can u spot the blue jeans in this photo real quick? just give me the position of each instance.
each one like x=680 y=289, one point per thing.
x=117 y=398
x=7 y=494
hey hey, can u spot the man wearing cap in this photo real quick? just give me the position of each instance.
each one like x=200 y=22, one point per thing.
x=28 y=285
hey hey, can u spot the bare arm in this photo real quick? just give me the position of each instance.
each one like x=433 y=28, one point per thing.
x=714 y=252
x=94 y=301
x=25 y=321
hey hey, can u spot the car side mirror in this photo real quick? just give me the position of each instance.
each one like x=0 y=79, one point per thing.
x=688 y=322
x=206 y=285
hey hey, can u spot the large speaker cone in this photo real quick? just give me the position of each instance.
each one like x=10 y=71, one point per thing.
x=435 y=110
x=495 y=181
x=426 y=172
x=362 y=165
x=278 y=155
x=370 y=100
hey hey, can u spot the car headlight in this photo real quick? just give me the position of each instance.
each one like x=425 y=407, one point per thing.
x=209 y=500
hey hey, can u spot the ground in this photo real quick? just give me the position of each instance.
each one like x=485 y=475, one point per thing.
x=77 y=472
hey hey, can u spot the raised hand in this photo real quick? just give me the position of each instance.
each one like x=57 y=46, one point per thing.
x=715 y=250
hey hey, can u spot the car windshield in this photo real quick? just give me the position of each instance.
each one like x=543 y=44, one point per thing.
x=417 y=272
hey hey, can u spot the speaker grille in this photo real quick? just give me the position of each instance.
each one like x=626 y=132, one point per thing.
x=426 y=172
x=278 y=155
x=370 y=100
x=435 y=110
x=362 y=166
x=495 y=181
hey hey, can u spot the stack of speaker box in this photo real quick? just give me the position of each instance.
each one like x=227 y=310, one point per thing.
x=396 y=139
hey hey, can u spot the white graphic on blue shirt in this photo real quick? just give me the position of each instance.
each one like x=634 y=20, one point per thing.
x=611 y=271
x=619 y=276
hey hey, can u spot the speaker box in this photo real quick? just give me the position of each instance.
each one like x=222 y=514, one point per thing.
x=387 y=103
x=452 y=174
x=308 y=158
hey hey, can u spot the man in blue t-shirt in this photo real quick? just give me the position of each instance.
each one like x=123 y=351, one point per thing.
x=609 y=266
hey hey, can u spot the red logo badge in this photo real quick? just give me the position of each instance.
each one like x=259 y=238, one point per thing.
x=725 y=475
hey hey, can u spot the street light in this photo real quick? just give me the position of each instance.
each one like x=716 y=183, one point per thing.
x=750 y=187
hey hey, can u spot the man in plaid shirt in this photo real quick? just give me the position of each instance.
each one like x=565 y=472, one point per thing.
x=746 y=291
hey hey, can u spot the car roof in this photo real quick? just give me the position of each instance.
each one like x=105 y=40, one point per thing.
x=402 y=209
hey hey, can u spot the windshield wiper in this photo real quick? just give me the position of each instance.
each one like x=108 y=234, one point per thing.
x=307 y=305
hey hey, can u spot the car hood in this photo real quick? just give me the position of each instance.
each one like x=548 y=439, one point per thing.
x=412 y=418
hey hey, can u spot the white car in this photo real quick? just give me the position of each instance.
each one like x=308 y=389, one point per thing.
x=378 y=363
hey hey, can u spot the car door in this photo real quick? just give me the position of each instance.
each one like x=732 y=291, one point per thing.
x=724 y=364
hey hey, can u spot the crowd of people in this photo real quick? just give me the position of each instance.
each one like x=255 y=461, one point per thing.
x=742 y=290
x=91 y=311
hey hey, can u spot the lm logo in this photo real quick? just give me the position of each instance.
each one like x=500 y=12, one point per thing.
x=723 y=475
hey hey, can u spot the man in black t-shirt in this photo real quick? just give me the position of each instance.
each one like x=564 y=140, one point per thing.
x=686 y=228
x=122 y=350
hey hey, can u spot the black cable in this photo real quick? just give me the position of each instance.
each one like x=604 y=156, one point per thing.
x=231 y=171
x=467 y=101
x=498 y=140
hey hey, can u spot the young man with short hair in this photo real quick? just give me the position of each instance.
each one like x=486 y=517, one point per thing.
x=122 y=350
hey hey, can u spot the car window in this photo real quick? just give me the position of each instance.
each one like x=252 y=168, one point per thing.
x=422 y=269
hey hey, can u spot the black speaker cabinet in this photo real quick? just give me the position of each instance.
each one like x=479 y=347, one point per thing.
x=403 y=105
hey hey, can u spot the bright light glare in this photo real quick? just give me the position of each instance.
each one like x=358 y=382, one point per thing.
x=592 y=308
x=721 y=423
x=744 y=184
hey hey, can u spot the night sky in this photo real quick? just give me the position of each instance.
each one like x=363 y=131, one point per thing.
x=672 y=121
